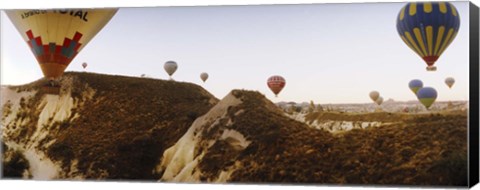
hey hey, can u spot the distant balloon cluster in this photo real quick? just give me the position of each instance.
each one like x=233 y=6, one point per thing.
x=172 y=66
x=376 y=98
x=276 y=83
x=427 y=95
x=428 y=28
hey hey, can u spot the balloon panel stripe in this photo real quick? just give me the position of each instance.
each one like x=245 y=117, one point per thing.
x=446 y=41
x=402 y=13
x=427 y=7
x=429 y=30
x=449 y=42
x=413 y=9
x=443 y=7
x=441 y=31
x=419 y=39
x=454 y=11
x=412 y=41
x=408 y=43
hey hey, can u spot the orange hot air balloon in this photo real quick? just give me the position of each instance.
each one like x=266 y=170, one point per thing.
x=276 y=84
x=56 y=36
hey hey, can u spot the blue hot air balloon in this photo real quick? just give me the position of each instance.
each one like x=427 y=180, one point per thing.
x=428 y=28
x=415 y=85
x=426 y=96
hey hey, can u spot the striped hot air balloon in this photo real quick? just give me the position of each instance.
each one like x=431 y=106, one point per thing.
x=428 y=28
x=276 y=84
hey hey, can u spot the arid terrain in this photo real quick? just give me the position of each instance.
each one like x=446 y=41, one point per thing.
x=104 y=127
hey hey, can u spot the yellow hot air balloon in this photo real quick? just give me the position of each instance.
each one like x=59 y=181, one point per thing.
x=56 y=36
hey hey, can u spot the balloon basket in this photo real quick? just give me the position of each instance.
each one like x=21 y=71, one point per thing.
x=431 y=68
x=51 y=88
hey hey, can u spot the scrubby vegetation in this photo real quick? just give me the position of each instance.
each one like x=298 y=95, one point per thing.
x=421 y=150
x=125 y=124
x=14 y=163
x=122 y=129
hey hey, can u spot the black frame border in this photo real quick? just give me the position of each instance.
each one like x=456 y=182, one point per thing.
x=473 y=130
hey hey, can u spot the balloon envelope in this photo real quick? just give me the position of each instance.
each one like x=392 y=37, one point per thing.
x=426 y=96
x=204 y=76
x=449 y=81
x=374 y=95
x=57 y=36
x=428 y=28
x=415 y=85
x=276 y=84
x=84 y=65
x=170 y=67
x=379 y=101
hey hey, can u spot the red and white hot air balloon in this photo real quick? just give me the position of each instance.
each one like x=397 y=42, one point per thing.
x=276 y=84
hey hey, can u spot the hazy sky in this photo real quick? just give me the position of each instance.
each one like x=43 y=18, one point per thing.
x=328 y=53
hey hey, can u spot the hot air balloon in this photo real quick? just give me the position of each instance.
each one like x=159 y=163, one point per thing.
x=204 y=76
x=414 y=85
x=57 y=36
x=449 y=81
x=379 y=100
x=374 y=95
x=426 y=96
x=428 y=28
x=84 y=65
x=276 y=84
x=170 y=67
